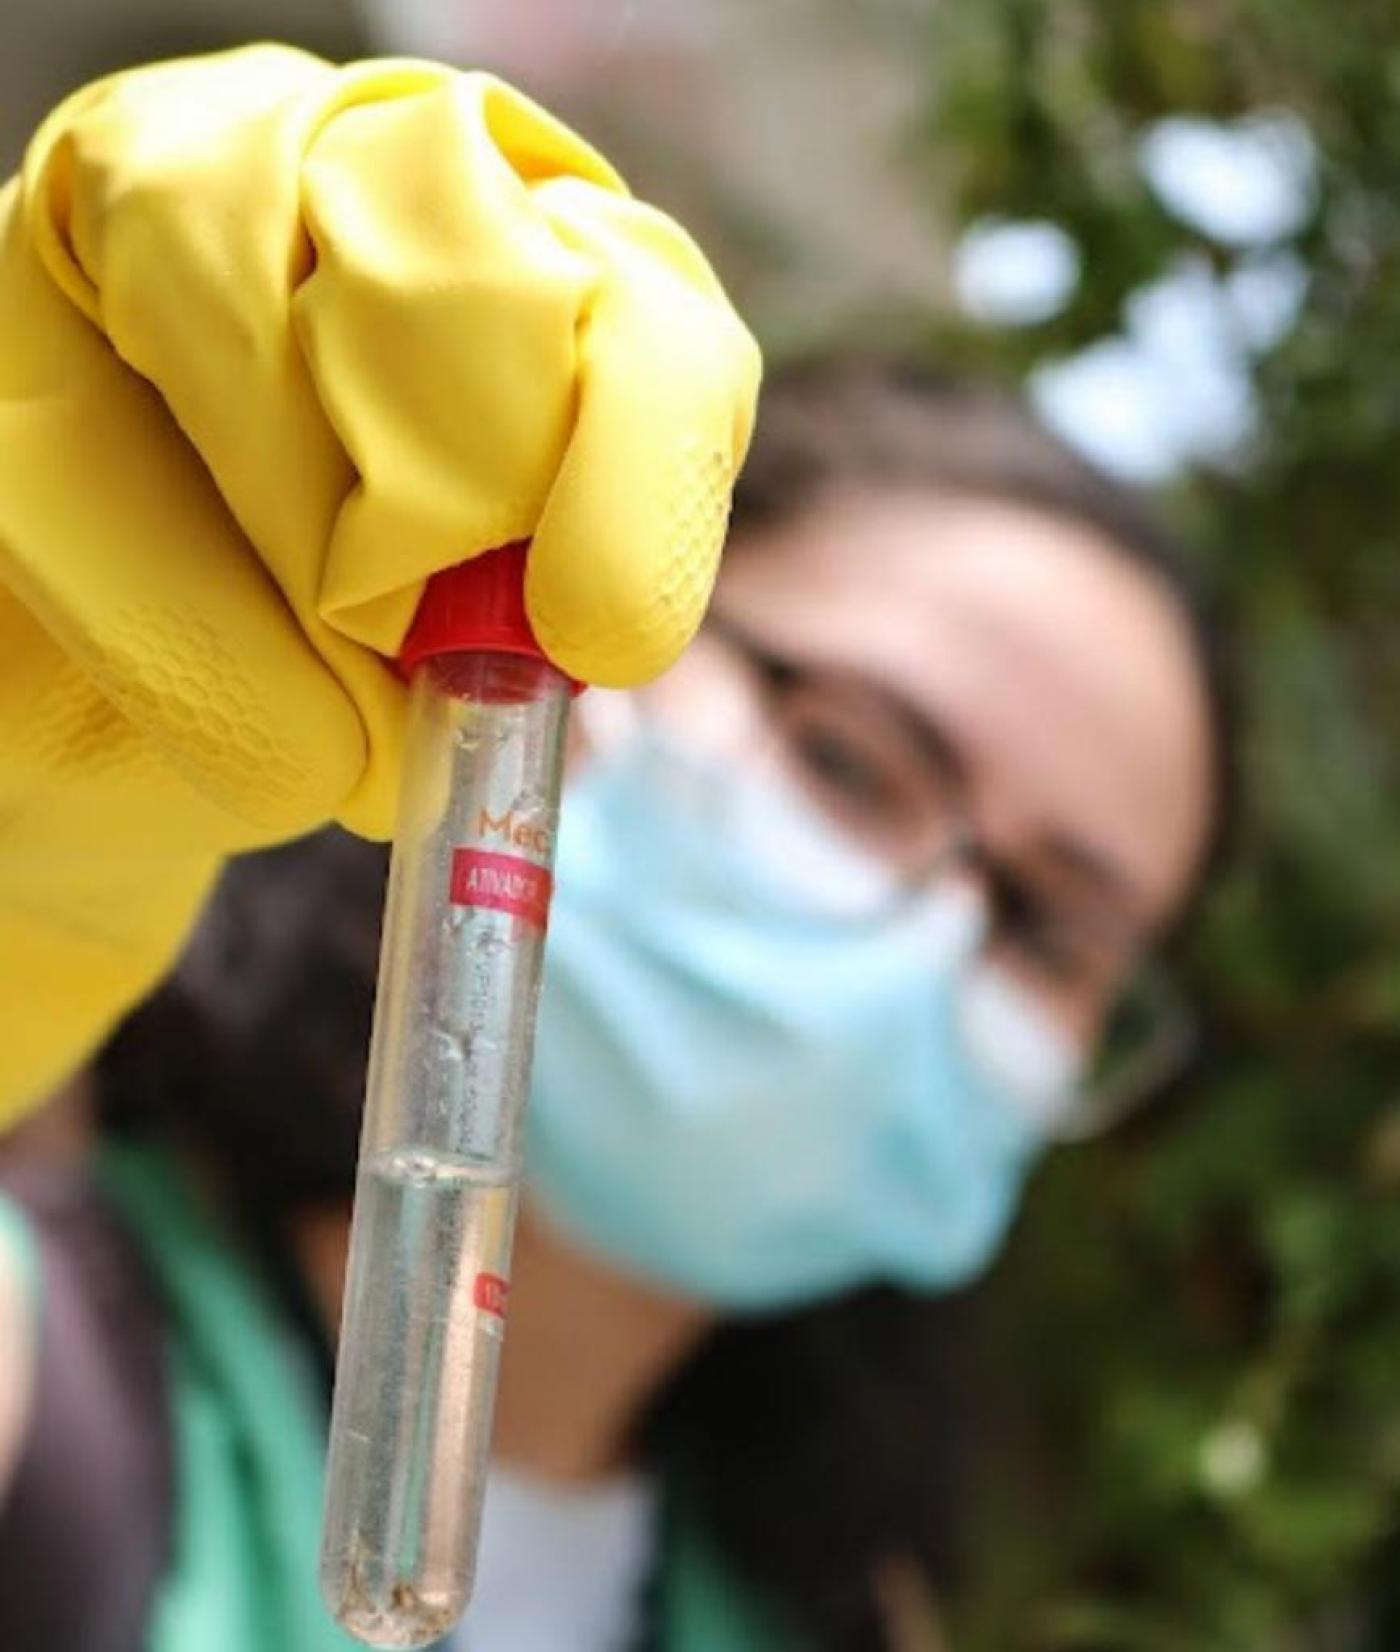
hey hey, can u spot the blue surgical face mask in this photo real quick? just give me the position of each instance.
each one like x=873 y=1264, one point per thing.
x=741 y=1100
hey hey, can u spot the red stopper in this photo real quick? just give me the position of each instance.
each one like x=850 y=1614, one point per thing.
x=477 y=606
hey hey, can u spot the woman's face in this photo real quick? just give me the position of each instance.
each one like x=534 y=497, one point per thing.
x=757 y=924
x=982 y=665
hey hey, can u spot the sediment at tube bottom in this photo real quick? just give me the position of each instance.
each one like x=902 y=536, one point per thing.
x=410 y=1620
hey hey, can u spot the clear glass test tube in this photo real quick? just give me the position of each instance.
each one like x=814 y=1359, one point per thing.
x=442 y=1142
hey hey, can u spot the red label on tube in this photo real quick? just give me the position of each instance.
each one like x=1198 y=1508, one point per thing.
x=504 y=883
x=491 y=1293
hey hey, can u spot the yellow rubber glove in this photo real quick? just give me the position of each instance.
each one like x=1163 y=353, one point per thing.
x=277 y=341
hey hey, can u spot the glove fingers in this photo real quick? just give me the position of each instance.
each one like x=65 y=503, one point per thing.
x=183 y=636
x=440 y=326
x=360 y=322
x=626 y=551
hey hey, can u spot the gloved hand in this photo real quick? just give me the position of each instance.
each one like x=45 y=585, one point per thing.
x=277 y=341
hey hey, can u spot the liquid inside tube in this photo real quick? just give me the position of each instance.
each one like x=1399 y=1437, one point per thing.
x=440 y=1158
x=434 y=1232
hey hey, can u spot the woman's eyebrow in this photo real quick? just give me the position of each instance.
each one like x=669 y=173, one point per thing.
x=940 y=751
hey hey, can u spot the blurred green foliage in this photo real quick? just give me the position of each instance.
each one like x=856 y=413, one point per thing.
x=1194 y=1343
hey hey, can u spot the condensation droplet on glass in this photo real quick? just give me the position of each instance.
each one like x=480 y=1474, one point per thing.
x=530 y=802
x=453 y=1045
x=480 y=973
x=415 y=1167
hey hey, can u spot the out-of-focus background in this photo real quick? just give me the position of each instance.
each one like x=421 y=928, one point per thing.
x=1178 y=221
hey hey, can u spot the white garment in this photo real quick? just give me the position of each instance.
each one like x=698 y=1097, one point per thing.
x=560 y=1568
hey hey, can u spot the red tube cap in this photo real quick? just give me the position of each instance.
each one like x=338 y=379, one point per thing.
x=477 y=606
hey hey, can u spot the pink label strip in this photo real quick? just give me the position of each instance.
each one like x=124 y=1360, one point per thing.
x=502 y=883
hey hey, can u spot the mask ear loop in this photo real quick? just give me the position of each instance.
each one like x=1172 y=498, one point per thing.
x=1136 y=1078
x=1035 y=1060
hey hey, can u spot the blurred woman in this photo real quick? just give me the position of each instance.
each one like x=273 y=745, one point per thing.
x=857 y=908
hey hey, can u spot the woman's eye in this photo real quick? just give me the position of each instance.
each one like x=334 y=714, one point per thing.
x=839 y=769
x=1045 y=945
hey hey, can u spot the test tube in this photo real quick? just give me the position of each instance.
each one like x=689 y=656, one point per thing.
x=441 y=1148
